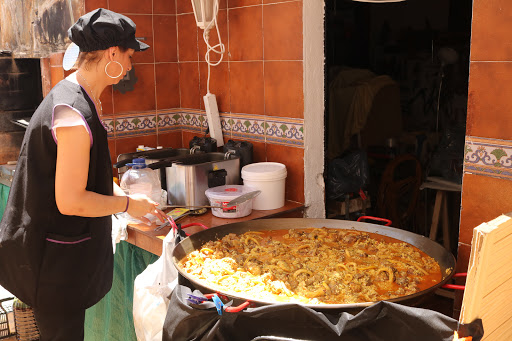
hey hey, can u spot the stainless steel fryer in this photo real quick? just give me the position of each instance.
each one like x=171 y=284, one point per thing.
x=189 y=176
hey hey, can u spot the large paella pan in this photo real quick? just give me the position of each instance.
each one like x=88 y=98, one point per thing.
x=192 y=244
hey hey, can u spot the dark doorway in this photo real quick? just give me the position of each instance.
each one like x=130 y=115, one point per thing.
x=396 y=84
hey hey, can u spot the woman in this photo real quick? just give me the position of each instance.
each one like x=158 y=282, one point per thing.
x=55 y=235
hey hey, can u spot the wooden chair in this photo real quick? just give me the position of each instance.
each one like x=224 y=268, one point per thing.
x=399 y=190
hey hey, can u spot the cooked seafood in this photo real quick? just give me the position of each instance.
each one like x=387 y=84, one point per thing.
x=312 y=266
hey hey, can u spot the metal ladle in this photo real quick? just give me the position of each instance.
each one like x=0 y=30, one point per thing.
x=198 y=210
x=237 y=201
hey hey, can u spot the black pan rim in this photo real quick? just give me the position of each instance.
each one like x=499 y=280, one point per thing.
x=445 y=259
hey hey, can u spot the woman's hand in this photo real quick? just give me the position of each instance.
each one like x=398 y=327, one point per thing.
x=140 y=205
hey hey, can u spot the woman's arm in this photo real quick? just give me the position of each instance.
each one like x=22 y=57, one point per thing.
x=71 y=175
x=118 y=191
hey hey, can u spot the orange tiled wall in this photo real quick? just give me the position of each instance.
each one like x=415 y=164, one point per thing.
x=487 y=182
x=258 y=85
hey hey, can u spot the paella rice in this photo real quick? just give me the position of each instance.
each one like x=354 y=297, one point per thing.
x=312 y=266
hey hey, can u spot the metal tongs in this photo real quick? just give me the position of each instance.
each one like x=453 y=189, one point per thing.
x=237 y=201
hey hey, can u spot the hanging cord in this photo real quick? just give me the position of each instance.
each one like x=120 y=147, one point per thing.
x=206 y=36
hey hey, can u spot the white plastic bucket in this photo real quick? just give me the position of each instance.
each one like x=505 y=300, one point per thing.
x=269 y=178
x=221 y=195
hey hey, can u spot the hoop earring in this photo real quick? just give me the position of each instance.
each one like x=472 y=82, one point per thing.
x=120 y=73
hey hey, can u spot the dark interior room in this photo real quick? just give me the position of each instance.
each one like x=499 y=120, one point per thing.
x=396 y=101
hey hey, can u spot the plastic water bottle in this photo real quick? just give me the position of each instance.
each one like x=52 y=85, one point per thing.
x=141 y=180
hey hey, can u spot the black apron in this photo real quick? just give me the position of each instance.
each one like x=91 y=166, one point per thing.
x=49 y=260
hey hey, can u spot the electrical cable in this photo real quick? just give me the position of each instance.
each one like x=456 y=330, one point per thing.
x=209 y=48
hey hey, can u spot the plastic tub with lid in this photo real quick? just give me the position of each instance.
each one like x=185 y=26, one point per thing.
x=269 y=178
x=221 y=195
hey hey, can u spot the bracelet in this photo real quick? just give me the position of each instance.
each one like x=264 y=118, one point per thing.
x=127 y=203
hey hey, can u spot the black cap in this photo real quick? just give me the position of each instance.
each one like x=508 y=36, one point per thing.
x=101 y=29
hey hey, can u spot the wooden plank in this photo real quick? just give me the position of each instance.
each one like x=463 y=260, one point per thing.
x=495 y=308
x=488 y=293
x=441 y=186
x=501 y=333
x=436 y=214
x=444 y=181
x=446 y=223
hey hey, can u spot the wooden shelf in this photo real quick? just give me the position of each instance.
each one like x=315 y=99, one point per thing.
x=147 y=238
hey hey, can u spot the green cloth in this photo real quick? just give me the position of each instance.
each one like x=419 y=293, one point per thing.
x=112 y=318
x=4 y=194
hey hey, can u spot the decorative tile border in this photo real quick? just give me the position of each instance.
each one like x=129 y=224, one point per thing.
x=489 y=157
x=169 y=121
x=109 y=123
x=285 y=131
x=194 y=121
x=135 y=125
x=274 y=130
x=248 y=127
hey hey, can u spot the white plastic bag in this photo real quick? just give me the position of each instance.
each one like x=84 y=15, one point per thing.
x=119 y=232
x=151 y=289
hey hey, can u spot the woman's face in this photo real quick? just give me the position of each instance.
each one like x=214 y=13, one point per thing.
x=125 y=59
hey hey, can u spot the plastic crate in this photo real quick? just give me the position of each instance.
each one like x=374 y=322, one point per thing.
x=6 y=318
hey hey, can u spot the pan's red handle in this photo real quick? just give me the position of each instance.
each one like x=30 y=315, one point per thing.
x=193 y=224
x=455 y=286
x=461 y=274
x=237 y=309
x=223 y=297
x=363 y=217
x=230 y=309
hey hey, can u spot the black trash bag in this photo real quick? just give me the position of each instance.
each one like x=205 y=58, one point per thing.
x=448 y=158
x=382 y=321
x=347 y=174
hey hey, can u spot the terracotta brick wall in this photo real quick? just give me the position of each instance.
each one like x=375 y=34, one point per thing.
x=258 y=85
